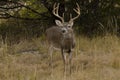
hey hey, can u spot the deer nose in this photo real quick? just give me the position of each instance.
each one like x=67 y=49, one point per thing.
x=63 y=31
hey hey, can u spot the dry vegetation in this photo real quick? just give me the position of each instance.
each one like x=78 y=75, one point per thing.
x=93 y=59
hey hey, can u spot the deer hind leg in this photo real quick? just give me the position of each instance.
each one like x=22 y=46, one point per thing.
x=51 y=58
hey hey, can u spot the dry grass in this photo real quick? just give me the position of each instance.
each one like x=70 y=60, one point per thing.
x=93 y=59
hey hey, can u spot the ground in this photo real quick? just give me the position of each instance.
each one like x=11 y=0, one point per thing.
x=93 y=59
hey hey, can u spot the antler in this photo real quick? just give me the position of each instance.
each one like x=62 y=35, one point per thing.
x=55 y=12
x=77 y=10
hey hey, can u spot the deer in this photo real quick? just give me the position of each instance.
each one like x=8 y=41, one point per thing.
x=61 y=36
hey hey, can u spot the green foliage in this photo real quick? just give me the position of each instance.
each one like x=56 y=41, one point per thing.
x=98 y=12
x=98 y=17
x=35 y=5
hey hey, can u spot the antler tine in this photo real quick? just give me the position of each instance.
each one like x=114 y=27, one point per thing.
x=57 y=7
x=63 y=15
x=56 y=13
x=70 y=16
x=54 y=8
x=77 y=10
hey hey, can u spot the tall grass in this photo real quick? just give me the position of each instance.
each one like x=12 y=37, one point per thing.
x=93 y=59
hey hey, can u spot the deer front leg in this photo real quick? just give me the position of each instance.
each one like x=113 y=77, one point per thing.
x=64 y=61
x=70 y=61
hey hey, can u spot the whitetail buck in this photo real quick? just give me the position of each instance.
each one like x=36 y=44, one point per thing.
x=62 y=36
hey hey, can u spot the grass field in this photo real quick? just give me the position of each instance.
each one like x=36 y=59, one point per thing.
x=93 y=59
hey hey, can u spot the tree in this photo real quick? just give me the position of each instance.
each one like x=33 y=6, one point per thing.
x=97 y=16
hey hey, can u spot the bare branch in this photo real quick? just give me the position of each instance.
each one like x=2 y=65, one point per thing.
x=10 y=7
x=18 y=5
x=7 y=16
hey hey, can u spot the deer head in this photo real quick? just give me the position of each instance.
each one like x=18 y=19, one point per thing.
x=62 y=23
x=66 y=27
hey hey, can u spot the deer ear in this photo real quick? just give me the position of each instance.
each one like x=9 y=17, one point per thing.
x=58 y=23
x=71 y=23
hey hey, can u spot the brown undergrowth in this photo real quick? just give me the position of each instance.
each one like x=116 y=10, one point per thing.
x=93 y=59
